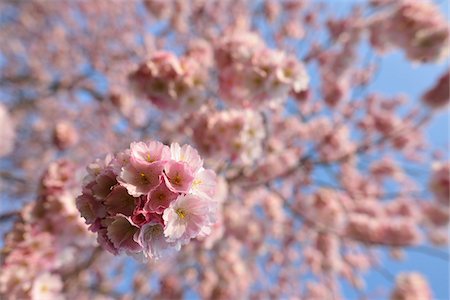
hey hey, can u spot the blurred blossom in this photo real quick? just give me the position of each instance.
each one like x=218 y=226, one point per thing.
x=7 y=133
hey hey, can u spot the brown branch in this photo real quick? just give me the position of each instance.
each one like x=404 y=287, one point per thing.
x=8 y=215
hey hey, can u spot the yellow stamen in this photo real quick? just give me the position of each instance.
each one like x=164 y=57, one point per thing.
x=161 y=197
x=181 y=213
x=144 y=178
x=197 y=182
x=177 y=180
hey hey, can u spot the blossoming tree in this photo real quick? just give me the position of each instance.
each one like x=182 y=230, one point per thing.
x=221 y=149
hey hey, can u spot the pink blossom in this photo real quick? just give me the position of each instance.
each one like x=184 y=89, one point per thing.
x=47 y=286
x=438 y=96
x=121 y=233
x=204 y=184
x=119 y=202
x=151 y=239
x=141 y=216
x=97 y=167
x=436 y=214
x=186 y=154
x=140 y=180
x=411 y=286
x=65 y=135
x=160 y=198
x=178 y=176
x=147 y=153
x=440 y=182
x=105 y=242
x=90 y=208
x=185 y=218
x=103 y=184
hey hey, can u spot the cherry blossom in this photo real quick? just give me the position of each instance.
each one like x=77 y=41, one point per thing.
x=148 y=204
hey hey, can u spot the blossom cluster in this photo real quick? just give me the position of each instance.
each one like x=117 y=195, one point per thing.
x=169 y=82
x=416 y=27
x=148 y=199
x=399 y=232
x=235 y=134
x=251 y=75
x=39 y=249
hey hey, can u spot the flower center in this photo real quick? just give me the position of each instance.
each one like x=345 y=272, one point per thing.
x=177 y=179
x=181 y=213
x=144 y=178
x=197 y=182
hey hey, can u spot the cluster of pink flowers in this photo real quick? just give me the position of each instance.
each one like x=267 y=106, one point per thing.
x=251 y=75
x=411 y=286
x=39 y=249
x=171 y=83
x=417 y=27
x=400 y=232
x=234 y=134
x=366 y=223
x=7 y=133
x=149 y=198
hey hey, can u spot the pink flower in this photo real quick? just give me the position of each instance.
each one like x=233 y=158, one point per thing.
x=185 y=218
x=152 y=240
x=439 y=95
x=160 y=197
x=121 y=232
x=204 y=184
x=178 y=176
x=186 y=154
x=141 y=217
x=411 y=286
x=90 y=208
x=121 y=160
x=440 y=182
x=147 y=153
x=97 y=167
x=104 y=182
x=47 y=286
x=120 y=202
x=140 y=180
x=65 y=135
x=105 y=242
